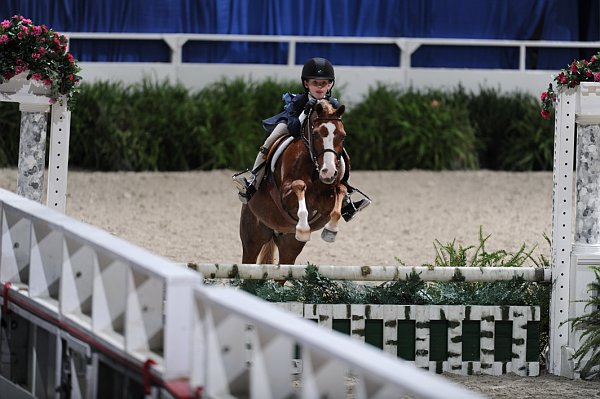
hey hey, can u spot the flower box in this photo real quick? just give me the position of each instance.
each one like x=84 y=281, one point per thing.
x=37 y=52
x=584 y=75
x=20 y=89
x=588 y=99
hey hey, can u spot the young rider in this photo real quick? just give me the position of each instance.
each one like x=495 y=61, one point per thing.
x=318 y=78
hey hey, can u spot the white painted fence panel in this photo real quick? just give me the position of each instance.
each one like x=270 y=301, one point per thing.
x=453 y=318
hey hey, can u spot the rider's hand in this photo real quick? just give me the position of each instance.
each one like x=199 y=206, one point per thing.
x=308 y=107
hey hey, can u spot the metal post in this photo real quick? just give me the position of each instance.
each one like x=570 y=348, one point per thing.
x=32 y=151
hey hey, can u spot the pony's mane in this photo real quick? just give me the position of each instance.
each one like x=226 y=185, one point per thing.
x=327 y=107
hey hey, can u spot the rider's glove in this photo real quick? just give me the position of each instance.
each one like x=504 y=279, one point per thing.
x=309 y=104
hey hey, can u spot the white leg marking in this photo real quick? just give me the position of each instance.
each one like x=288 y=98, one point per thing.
x=332 y=225
x=302 y=228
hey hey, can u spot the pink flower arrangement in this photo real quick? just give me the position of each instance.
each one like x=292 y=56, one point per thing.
x=575 y=73
x=42 y=53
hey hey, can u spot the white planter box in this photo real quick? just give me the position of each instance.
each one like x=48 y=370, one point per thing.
x=19 y=89
x=588 y=102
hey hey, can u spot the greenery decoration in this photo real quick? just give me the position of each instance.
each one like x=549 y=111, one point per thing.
x=576 y=72
x=589 y=324
x=316 y=288
x=156 y=125
x=42 y=53
x=405 y=129
x=453 y=254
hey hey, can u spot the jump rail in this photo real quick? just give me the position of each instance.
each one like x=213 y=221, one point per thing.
x=101 y=304
x=374 y=273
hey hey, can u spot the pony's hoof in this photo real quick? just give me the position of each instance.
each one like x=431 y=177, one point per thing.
x=303 y=236
x=328 y=235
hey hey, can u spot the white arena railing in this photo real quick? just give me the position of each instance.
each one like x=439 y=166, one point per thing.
x=354 y=80
x=88 y=313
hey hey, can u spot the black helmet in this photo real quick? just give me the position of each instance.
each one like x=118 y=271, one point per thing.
x=318 y=68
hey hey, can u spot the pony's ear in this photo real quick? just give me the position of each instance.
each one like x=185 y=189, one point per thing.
x=319 y=108
x=340 y=110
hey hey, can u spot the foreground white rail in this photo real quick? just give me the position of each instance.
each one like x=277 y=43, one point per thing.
x=79 y=303
x=326 y=358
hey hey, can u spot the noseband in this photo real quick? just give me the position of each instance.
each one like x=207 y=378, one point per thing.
x=309 y=142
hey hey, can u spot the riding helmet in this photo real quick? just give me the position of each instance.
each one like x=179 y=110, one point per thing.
x=318 y=68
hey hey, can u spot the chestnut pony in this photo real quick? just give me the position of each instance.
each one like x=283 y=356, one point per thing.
x=302 y=192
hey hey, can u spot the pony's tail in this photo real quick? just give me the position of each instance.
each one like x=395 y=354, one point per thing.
x=267 y=253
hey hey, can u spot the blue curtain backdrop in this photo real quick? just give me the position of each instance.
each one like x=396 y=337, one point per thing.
x=472 y=19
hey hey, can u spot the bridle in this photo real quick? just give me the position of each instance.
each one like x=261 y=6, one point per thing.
x=309 y=141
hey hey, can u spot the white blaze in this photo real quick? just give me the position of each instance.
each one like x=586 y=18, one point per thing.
x=328 y=168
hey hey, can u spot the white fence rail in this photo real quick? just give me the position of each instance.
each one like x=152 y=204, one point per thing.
x=407 y=45
x=355 y=80
x=98 y=303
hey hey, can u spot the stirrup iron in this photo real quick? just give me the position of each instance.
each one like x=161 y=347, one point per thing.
x=240 y=181
x=351 y=208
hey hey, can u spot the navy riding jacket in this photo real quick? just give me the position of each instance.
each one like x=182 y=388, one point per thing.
x=294 y=105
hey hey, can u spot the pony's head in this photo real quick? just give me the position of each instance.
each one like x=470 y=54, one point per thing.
x=327 y=137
